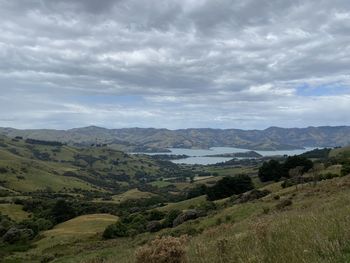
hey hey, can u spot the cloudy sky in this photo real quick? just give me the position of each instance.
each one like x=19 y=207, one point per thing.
x=174 y=64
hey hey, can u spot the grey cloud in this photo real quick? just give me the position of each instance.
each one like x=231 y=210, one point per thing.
x=203 y=63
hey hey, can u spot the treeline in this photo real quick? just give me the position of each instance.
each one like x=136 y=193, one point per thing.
x=274 y=170
x=41 y=142
x=317 y=153
x=226 y=187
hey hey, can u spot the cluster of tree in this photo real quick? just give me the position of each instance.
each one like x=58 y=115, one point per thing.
x=239 y=162
x=317 y=153
x=12 y=232
x=154 y=220
x=320 y=177
x=169 y=157
x=223 y=188
x=345 y=169
x=41 y=142
x=134 y=224
x=43 y=156
x=229 y=186
x=274 y=170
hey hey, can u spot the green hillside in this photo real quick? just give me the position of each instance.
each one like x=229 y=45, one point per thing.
x=61 y=203
x=312 y=227
x=36 y=166
x=340 y=153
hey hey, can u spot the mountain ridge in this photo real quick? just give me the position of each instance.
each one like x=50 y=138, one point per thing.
x=154 y=139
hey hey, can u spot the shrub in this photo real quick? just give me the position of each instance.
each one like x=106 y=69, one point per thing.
x=270 y=171
x=228 y=218
x=62 y=211
x=345 y=170
x=228 y=186
x=14 y=235
x=154 y=226
x=185 y=216
x=3 y=170
x=276 y=197
x=115 y=230
x=328 y=176
x=295 y=161
x=206 y=206
x=155 y=215
x=273 y=170
x=283 y=204
x=138 y=223
x=170 y=217
x=163 y=250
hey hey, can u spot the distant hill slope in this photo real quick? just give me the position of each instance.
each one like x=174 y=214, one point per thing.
x=29 y=165
x=150 y=139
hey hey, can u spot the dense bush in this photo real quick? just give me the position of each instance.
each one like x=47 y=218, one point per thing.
x=41 y=142
x=317 y=153
x=3 y=170
x=283 y=204
x=229 y=186
x=36 y=225
x=197 y=191
x=116 y=230
x=273 y=170
x=15 y=234
x=170 y=217
x=154 y=215
x=345 y=170
x=295 y=161
x=62 y=211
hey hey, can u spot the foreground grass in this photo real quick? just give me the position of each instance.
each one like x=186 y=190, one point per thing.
x=67 y=238
x=314 y=228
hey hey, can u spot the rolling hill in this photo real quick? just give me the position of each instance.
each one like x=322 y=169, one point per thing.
x=35 y=165
x=150 y=139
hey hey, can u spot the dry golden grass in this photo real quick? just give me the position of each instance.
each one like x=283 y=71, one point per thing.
x=316 y=229
x=163 y=250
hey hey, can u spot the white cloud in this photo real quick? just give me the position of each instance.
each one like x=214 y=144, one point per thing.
x=173 y=64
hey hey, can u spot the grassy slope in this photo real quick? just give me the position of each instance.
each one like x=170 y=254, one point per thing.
x=340 y=152
x=26 y=172
x=68 y=235
x=183 y=205
x=315 y=228
x=15 y=212
x=128 y=195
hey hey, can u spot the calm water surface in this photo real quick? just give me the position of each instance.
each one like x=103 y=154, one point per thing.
x=198 y=156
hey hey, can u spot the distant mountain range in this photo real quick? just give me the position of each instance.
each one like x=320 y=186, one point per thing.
x=153 y=140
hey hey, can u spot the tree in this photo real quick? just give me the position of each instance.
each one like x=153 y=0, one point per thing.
x=274 y=170
x=115 y=230
x=295 y=161
x=271 y=171
x=170 y=217
x=229 y=186
x=345 y=170
x=62 y=211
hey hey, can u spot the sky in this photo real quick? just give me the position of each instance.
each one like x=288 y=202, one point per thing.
x=174 y=64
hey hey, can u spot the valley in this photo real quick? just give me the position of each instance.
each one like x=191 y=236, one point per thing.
x=97 y=204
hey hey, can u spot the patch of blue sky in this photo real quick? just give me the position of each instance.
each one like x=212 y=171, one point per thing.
x=331 y=89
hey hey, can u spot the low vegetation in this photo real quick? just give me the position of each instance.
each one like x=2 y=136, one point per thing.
x=125 y=208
